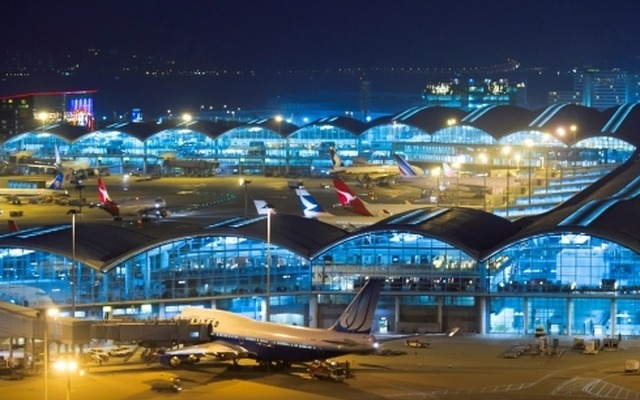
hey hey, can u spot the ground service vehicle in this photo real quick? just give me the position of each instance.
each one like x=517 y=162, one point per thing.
x=327 y=370
x=170 y=385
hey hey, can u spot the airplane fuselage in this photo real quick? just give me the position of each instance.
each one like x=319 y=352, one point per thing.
x=267 y=341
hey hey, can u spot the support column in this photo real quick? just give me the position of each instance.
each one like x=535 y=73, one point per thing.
x=396 y=312
x=612 y=318
x=439 y=305
x=313 y=311
x=482 y=315
x=569 y=329
x=525 y=317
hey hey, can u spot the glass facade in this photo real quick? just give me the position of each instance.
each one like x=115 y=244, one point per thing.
x=566 y=283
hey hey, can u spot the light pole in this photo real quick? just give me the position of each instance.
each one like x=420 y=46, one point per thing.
x=267 y=306
x=529 y=144
x=456 y=165
x=484 y=160
x=436 y=173
x=72 y=275
x=51 y=312
x=506 y=151
x=79 y=188
x=279 y=120
x=245 y=183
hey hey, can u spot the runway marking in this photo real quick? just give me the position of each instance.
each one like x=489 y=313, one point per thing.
x=595 y=387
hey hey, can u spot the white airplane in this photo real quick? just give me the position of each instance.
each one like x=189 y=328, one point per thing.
x=138 y=207
x=24 y=295
x=368 y=171
x=235 y=337
x=312 y=209
x=263 y=208
x=447 y=179
x=80 y=169
x=52 y=190
x=349 y=200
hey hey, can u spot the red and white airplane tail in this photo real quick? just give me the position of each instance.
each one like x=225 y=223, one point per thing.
x=13 y=226
x=348 y=199
x=102 y=192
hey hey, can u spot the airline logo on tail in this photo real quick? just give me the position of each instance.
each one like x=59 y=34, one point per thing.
x=358 y=316
x=310 y=207
x=405 y=168
x=13 y=226
x=349 y=199
x=57 y=182
x=102 y=192
x=336 y=162
x=448 y=172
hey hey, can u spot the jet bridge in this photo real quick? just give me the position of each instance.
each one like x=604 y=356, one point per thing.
x=28 y=323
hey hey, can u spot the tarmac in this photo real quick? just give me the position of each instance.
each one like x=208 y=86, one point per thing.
x=461 y=367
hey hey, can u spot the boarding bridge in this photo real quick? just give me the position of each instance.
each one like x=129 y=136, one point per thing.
x=32 y=324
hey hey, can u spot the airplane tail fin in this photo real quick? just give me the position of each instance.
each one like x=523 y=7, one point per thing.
x=447 y=171
x=261 y=207
x=310 y=207
x=358 y=316
x=349 y=199
x=102 y=192
x=58 y=162
x=57 y=182
x=405 y=168
x=13 y=226
x=336 y=162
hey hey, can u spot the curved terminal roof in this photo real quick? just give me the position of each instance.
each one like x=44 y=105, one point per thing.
x=301 y=235
x=90 y=246
x=348 y=124
x=607 y=209
x=472 y=231
x=429 y=119
x=498 y=121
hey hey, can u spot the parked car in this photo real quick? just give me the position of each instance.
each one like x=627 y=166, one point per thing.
x=120 y=351
x=98 y=354
x=169 y=385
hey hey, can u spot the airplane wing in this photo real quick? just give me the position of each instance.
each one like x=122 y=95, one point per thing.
x=219 y=350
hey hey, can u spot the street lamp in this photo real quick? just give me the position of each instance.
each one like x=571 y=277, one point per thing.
x=506 y=151
x=79 y=187
x=187 y=119
x=456 y=166
x=43 y=116
x=50 y=313
x=436 y=172
x=484 y=160
x=267 y=307
x=67 y=366
x=529 y=144
x=245 y=183
x=72 y=274
x=279 y=119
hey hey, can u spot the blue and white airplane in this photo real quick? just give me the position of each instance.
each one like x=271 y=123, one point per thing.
x=55 y=188
x=233 y=336
x=312 y=209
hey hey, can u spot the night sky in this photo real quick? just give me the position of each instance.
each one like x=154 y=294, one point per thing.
x=336 y=33
x=300 y=34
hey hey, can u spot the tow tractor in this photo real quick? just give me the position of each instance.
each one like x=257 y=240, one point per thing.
x=327 y=370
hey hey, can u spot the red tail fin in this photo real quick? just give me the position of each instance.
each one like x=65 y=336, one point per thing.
x=102 y=192
x=13 y=226
x=349 y=199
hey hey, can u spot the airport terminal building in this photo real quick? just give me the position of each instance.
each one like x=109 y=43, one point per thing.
x=569 y=270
